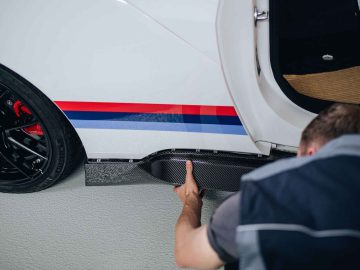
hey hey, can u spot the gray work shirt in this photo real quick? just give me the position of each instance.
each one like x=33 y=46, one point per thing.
x=222 y=229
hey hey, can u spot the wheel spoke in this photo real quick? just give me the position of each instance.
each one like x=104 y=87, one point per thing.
x=4 y=93
x=20 y=125
x=3 y=163
x=26 y=148
x=18 y=164
x=37 y=144
x=2 y=118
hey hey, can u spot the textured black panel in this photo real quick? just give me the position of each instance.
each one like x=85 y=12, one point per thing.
x=214 y=171
x=115 y=173
x=218 y=171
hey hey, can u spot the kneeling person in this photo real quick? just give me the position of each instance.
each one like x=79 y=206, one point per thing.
x=298 y=213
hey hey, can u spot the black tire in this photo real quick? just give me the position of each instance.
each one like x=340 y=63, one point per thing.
x=60 y=146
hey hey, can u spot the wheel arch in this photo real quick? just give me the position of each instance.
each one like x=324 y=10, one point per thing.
x=44 y=95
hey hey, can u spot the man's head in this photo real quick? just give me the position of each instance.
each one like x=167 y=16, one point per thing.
x=338 y=119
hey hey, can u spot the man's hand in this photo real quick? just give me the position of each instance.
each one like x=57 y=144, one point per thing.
x=190 y=188
x=192 y=247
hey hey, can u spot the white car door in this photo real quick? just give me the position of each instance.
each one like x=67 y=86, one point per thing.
x=268 y=115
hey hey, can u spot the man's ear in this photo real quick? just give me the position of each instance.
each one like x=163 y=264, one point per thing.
x=308 y=150
x=312 y=149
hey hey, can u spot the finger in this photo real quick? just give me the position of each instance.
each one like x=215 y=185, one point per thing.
x=189 y=173
x=189 y=167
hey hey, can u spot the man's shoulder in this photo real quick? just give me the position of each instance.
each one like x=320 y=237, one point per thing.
x=346 y=145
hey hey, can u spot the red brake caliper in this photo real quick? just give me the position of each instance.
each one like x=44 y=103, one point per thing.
x=35 y=129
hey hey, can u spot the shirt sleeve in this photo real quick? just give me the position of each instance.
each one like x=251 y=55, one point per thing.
x=222 y=229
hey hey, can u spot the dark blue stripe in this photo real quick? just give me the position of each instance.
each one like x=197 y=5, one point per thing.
x=160 y=126
x=149 y=117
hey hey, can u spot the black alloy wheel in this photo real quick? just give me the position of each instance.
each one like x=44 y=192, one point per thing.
x=24 y=143
x=38 y=146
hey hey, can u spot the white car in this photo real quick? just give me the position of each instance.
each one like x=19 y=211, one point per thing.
x=142 y=85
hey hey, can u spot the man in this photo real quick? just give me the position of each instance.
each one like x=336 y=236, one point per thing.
x=298 y=213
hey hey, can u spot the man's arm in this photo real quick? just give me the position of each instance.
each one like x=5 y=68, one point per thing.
x=192 y=247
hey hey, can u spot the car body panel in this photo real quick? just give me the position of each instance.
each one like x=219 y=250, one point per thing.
x=124 y=52
x=190 y=20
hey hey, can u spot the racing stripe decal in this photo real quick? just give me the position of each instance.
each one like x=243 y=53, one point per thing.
x=146 y=108
x=161 y=117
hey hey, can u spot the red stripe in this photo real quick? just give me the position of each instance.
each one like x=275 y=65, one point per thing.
x=146 y=108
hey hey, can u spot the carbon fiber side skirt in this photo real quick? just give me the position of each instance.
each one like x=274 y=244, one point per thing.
x=213 y=170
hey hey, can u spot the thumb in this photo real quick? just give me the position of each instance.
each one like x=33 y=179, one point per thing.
x=189 y=168
x=189 y=172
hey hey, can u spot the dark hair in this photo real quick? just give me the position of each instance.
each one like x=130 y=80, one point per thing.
x=338 y=119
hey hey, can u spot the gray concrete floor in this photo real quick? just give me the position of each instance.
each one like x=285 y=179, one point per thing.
x=71 y=226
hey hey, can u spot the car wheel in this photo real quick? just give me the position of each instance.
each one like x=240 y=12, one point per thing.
x=38 y=146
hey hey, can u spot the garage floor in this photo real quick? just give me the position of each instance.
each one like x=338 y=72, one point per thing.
x=71 y=226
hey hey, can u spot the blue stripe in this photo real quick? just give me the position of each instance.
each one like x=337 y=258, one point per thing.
x=161 y=126
x=150 y=117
